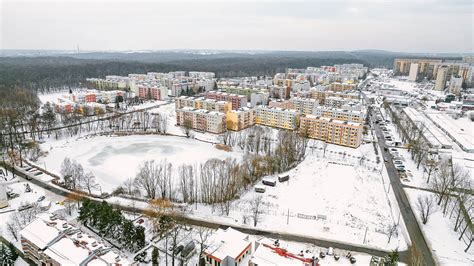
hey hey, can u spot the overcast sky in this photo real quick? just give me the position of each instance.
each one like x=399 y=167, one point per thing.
x=397 y=25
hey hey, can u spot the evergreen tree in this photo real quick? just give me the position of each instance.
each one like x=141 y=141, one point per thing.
x=393 y=257
x=154 y=257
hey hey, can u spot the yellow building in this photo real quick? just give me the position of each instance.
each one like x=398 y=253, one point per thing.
x=240 y=119
x=337 y=86
x=203 y=103
x=277 y=117
x=332 y=131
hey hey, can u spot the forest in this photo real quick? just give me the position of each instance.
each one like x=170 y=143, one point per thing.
x=57 y=70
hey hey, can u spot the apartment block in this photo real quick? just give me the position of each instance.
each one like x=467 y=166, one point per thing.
x=152 y=92
x=238 y=101
x=321 y=95
x=441 y=78
x=304 y=105
x=240 y=119
x=277 y=117
x=279 y=92
x=337 y=86
x=332 y=131
x=202 y=120
x=283 y=104
x=203 y=103
x=340 y=114
x=425 y=67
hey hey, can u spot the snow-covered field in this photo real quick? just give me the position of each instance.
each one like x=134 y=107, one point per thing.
x=332 y=197
x=114 y=159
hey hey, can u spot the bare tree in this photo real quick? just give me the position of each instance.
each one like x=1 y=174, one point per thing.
x=425 y=205
x=186 y=178
x=12 y=229
x=324 y=146
x=257 y=209
x=392 y=229
x=88 y=182
x=148 y=178
x=187 y=127
x=431 y=167
x=203 y=236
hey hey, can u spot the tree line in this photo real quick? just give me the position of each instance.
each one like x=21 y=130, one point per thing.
x=111 y=224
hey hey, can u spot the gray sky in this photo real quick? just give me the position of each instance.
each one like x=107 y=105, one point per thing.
x=403 y=25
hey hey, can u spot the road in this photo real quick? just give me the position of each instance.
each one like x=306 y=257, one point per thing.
x=408 y=215
x=215 y=224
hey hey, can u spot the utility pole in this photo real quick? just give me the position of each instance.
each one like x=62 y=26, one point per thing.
x=288 y=217
x=365 y=235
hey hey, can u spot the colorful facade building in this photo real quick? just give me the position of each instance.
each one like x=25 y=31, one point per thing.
x=240 y=119
x=201 y=120
x=238 y=101
x=203 y=103
x=338 y=86
x=332 y=131
x=277 y=117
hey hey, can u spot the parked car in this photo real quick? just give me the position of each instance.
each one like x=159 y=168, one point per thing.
x=41 y=198
x=260 y=189
x=283 y=178
x=269 y=182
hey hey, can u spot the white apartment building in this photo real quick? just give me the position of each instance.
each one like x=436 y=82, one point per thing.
x=304 y=105
x=202 y=120
x=277 y=117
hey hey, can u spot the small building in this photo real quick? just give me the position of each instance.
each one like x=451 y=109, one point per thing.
x=228 y=247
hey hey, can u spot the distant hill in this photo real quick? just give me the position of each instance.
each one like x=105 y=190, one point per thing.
x=40 y=69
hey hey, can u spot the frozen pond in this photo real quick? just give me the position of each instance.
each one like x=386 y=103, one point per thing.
x=114 y=159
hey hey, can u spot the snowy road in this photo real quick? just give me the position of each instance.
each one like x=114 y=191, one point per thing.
x=408 y=215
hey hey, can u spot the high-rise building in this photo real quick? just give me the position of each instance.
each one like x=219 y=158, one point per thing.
x=413 y=72
x=455 y=85
x=441 y=78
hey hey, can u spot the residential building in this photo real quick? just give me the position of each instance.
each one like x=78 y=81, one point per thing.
x=441 y=78
x=152 y=92
x=238 y=101
x=455 y=85
x=283 y=104
x=259 y=98
x=203 y=103
x=240 y=119
x=332 y=131
x=279 y=92
x=339 y=87
x=413 y=75
x=52 y=241
x=340 y=114
x=228 y=247
x=304 y=105
x=201 y=120
x=277 y=117
x=401 y=66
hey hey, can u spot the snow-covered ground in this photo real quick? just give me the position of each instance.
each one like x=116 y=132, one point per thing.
x=440 y=235
x=332 y=197
x=115 y=159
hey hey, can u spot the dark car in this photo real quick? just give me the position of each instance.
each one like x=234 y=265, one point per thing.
x=178 y=249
